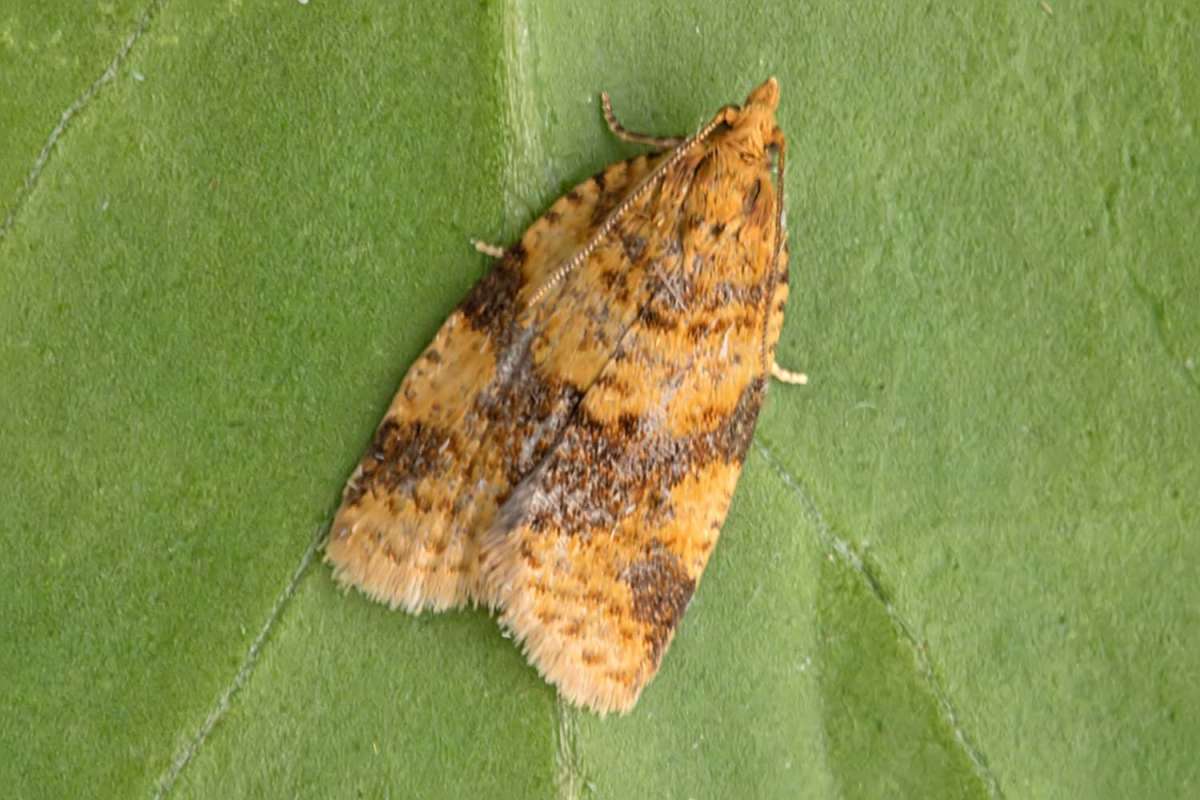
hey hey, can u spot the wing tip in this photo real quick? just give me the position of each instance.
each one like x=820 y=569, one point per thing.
x=362 y=559
x=558 y=659
x=555 y=661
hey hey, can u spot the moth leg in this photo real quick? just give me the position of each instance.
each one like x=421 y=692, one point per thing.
x=626 y=135
x=786 y=375
x=495 y=251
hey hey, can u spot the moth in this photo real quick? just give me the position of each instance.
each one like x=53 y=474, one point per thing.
x=565 y=451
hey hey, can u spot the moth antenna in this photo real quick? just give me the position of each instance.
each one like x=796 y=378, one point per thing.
x=648 y=183
x=780 y=145
x=768 y=364
x=626 y=135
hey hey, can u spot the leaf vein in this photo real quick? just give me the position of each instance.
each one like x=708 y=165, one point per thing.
x=906 y=629
x=74 y=109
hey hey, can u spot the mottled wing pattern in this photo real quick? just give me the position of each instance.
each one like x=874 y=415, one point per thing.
x=595 y=555
x=486 y=400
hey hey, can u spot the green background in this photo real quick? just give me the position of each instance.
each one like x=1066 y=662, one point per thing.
x=962 y=562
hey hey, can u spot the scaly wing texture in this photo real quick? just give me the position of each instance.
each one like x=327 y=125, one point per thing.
x=488 y=397
x=594 y=557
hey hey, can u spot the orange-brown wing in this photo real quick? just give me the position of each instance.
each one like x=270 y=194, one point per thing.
x=485 y=401
x=594 y=557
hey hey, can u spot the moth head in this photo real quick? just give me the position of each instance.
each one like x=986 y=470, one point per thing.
x=767 y=95
x=752 y=126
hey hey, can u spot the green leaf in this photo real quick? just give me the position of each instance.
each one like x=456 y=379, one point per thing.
x=960 y=563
